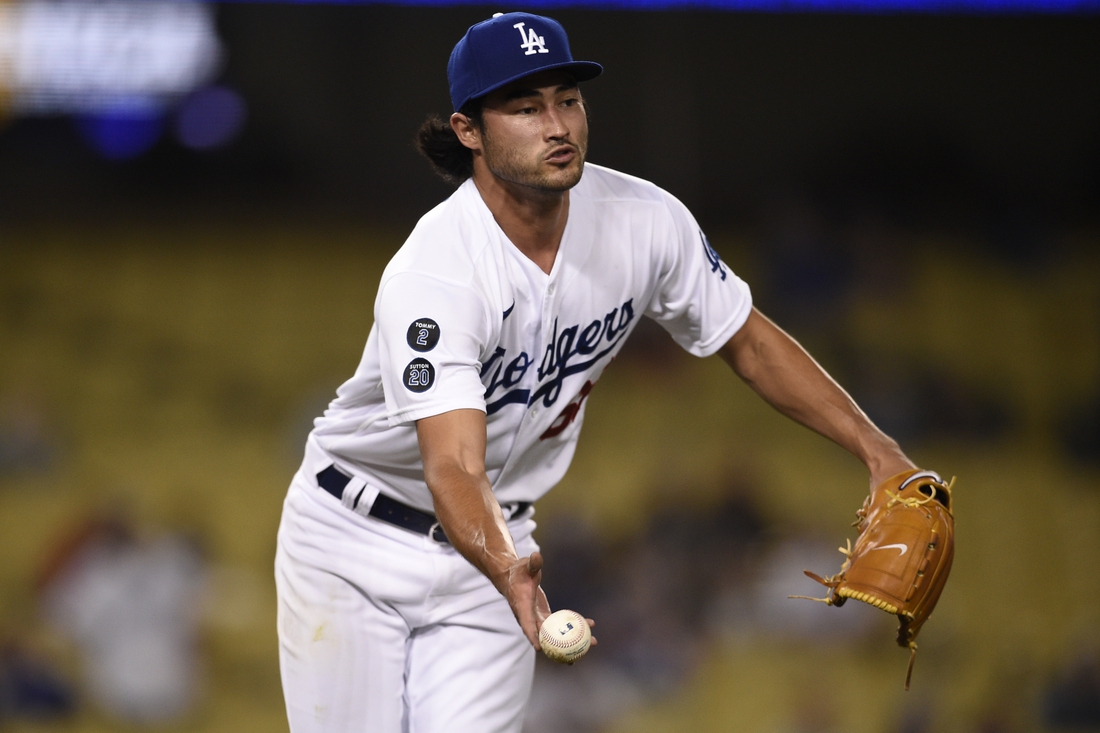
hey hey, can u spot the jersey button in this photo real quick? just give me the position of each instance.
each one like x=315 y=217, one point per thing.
x=550 y=290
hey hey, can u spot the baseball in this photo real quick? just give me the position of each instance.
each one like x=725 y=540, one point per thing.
x=565 y=636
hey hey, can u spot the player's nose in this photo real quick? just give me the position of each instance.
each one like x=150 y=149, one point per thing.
x=554 y=126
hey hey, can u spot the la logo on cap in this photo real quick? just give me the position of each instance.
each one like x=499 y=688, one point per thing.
x=531 y=40
x=486 y=60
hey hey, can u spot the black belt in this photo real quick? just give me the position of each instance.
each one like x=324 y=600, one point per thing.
x=333 y=480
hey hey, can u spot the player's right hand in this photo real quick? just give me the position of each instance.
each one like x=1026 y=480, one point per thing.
x=522 y=588
x=527 y=599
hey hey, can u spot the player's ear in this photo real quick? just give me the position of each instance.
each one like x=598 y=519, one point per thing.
x=467 y=132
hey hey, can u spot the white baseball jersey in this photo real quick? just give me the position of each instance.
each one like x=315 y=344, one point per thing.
x=464 y=320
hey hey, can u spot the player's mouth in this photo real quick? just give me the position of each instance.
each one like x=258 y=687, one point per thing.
x=561 y=155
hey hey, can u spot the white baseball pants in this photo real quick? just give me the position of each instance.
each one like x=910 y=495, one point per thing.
x=382 y=630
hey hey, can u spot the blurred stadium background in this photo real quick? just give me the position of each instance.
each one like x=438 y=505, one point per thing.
x=196 y=201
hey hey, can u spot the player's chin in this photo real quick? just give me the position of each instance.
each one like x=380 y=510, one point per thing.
x=565 y=177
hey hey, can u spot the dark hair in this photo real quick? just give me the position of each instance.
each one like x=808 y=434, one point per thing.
x=437 y=142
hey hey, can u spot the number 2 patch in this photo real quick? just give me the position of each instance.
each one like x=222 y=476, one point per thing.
x=423 y=334
x=419 y=375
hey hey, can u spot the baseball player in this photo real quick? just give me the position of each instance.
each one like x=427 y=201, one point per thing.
x=408 y=579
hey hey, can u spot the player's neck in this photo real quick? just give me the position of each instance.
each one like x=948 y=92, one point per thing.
x=533 y=220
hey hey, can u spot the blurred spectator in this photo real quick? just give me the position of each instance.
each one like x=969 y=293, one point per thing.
x=30 y=687
x=651 y=348
x=1072 y=700
x=650 y=595
x=1080 y=432
x=911 y=401
x=26 y=441
x=764 y=606
x=662 y=583
x=584 y=698
x=577 y=568
x=808 y=274
x=881 y=257
x=131 y=607
x=814 y=710
x=916 y=715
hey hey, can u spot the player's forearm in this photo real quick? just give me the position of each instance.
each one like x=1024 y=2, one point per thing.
x=472 y=520
x=788 y=378
x=452 y=446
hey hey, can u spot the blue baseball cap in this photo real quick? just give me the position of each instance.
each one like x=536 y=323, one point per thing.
x=507 y=47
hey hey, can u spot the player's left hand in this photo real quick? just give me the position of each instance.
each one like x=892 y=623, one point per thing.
x=890 y=464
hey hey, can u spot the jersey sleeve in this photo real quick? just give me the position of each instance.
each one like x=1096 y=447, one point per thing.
x=698 y=299
x=430 y=339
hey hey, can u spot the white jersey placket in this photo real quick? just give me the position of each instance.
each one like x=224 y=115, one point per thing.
x=546 y=336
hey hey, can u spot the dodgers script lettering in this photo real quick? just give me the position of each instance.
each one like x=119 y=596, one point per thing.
x=570 y=350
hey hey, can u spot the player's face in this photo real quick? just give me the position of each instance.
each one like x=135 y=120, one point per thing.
x=535 y=132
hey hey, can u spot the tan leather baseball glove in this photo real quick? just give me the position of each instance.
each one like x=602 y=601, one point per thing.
x=902 y=555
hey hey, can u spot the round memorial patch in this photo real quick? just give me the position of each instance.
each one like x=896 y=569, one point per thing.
x=419 y=375
x=423 y=334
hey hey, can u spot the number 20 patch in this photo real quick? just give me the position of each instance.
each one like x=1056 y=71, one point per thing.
x=419 y=375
